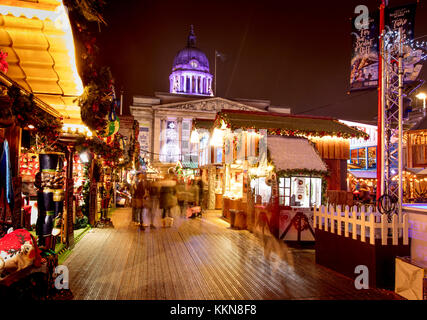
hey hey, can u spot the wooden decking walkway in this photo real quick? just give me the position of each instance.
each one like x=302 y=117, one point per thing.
x=197 y=259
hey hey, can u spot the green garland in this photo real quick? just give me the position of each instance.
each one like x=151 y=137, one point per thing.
x=26 y=113
x=308 y=172
x=95 y=102
x=110 y=153
x=89 y=10
x=221 y=117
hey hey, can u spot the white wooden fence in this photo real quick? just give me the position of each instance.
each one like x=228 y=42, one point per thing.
x=361 y=222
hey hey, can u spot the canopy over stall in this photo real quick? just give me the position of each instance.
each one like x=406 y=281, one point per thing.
x=287 y=125
x=38 y=39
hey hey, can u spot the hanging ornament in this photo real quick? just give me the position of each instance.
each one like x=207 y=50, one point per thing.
x=113 y=124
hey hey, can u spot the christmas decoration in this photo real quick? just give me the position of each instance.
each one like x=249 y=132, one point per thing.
x=89 y=10
x=24 y=112
x=4 y=66
x=306 y=128
x=307 y=173
x=95 y=103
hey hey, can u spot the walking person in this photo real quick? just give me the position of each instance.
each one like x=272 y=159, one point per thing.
x=202 y=196
x=149 y=201
x=133 y=200
x=167 y=199
x=139 y=195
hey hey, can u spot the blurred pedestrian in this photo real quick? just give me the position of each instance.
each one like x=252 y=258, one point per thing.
x=167 y=199
x=149 y=201
x=139 y=195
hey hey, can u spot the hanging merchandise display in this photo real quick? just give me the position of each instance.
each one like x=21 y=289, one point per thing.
x=6 y=181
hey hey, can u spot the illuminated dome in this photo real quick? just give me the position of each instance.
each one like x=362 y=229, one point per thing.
x=190 y=70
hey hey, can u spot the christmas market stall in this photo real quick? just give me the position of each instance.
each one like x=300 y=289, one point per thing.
x=361 y=187
x=278 y=165
x=41 y=109
x=32 y=191
x=210 y=164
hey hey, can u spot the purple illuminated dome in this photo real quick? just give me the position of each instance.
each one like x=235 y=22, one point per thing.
x=190 y=71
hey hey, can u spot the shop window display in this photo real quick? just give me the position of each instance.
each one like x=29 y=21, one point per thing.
x=204 y=149
x=364 y=158
x=261 y=189
x=234 y=184
x=303 y=192
x=372 y=157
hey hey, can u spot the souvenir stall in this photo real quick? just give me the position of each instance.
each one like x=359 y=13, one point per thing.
x=29 y=166
x=273 y=160
x=414 y=183
x=361 y=187
x=211 y=170
x=415 y=188
x=28 y=174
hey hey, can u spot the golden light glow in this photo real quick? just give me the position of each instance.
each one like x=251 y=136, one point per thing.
x=421 y=96
x=223 y=125
x=77 y=128
x=217 y=138
x=194 y=136
x=60 y=18
x=328 y=138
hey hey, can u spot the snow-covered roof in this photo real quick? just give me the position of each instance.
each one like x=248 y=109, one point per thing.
x=294 y=153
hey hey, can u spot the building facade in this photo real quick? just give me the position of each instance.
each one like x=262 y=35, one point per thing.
x=166 y=119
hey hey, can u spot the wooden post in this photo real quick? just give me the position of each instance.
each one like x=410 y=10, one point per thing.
x=354 y=226
x=92 y=194
x=372 y=228
x=332 y=215
x=395 y=230
x=68 y=217
x=362 y=227
x=339 y=219
x=384 y=229
x=346 y=221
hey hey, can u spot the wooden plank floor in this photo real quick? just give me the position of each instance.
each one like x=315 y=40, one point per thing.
x=197 y=259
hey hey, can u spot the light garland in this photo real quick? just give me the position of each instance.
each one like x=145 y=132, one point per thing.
x=222 y=122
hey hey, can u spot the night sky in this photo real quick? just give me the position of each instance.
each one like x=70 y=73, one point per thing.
x=294 y=53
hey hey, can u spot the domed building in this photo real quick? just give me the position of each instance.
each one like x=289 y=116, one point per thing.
x=166 y=118
x=190 y=70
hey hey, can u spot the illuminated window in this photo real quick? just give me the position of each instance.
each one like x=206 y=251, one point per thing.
x=261 y=189
x=170 y=152
x=372 y=157
x=363 y=158
x=303 y=192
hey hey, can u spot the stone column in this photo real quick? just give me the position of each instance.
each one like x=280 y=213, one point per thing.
x=191 y=85
x=162 y=137
x=157 y=139
x=179 y=121
x=184 y=89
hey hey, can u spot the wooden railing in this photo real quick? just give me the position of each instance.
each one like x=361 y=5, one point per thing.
x=365 y=223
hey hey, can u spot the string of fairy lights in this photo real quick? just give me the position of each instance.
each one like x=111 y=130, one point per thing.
x=392 y=37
